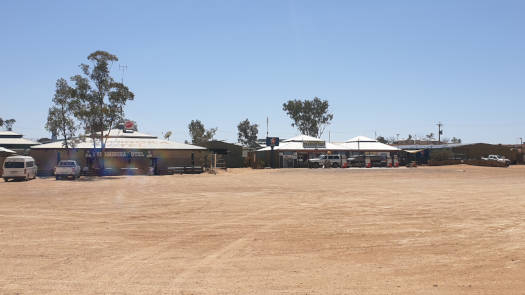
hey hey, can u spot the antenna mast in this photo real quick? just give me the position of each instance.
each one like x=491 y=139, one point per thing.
x=122 y=68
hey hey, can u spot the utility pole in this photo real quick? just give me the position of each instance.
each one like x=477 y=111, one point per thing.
x=440 y=132
x=122 y=68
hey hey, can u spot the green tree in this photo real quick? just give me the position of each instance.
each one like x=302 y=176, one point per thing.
x=381 y=139
x=167 y=135
x=247 y=133
x=9 y=124
x=60 y=119
x=309 y=116
x=455 y=140
x=198 y=133
x=99 y=99
x=1 y=122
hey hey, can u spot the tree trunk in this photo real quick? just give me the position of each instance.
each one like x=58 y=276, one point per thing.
x=102 y=152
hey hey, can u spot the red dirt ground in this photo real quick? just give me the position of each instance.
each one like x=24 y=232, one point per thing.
x=432 y=230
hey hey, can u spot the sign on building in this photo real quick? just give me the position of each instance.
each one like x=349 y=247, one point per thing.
x=314 y=144
x=92 y=154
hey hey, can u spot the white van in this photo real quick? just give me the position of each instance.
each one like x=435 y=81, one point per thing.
x=19 y=167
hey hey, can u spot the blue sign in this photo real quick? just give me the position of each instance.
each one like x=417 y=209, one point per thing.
x=272 y=141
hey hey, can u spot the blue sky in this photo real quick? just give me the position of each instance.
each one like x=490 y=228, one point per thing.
x=386 y=67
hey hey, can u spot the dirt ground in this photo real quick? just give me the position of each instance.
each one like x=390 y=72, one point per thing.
x=431 y=230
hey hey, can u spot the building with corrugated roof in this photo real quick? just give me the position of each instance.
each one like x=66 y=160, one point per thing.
x=15 y=142
x=296 y=151
x=125 y=150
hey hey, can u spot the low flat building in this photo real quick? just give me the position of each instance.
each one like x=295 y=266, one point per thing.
x=125 y=150
x=294 y=152
x=15 y=142
x=228 y=155
x=422 y=153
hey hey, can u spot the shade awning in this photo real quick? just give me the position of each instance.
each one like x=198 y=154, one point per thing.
x=6 y=151
x=414 y=151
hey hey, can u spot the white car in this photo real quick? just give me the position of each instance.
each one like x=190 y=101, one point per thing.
x=67 y=168
x=19 y=167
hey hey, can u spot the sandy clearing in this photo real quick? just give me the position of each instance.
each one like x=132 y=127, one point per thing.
x=437 y=230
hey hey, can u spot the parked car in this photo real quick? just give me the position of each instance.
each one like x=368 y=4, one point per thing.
x=66 y=169
x=497 y=158
x=327 y=161
x=19 y=167
x=359 y=161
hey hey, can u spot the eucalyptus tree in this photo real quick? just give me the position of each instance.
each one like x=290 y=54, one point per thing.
x=60 y=119
x=99 y=100
x=7 y=123
x=247 y=133
x=198 y=133
x=309 y=116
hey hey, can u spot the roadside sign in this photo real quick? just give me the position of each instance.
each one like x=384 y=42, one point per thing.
x=272 y=141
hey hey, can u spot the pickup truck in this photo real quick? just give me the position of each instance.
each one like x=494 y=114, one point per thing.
x=67 y=168
x=497 y=158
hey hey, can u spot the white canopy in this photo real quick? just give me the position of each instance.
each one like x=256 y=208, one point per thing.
x=363 y=143
x=361 y=139
x=358 y=143
x=304 y=143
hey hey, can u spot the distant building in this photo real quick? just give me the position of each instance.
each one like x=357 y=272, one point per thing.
x=125 y=150
x=296 y=151
x=15 y=142
x=229 y=155
x=422 y=153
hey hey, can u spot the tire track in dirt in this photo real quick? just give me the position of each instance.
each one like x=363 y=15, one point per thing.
x=125 y=268
x=215 y=258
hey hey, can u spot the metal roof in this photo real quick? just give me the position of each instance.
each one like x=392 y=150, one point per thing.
x=430 y=146
x=9 y=133
x=368 y=146
x=16 y=141
x=358 y=143
x=298 y=146
x=361 y=139
x=124 y=140
x=301 y=138
x=127 y=134
x=7 y=151
x=296 y=143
